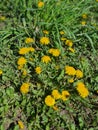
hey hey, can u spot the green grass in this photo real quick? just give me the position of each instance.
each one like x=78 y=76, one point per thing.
x=25 y=19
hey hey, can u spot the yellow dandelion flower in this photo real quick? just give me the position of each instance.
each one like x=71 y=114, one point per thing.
x=20 y=67
x=31 y=59
x=38 y=70
x=79 y=73
x=84 y=16
x=1 y=72
x=55 y=108
x=49 y=100
x=63 y=39
x=26 y=50
x=72 y=50
x=65 y=95
x=71 y=80
x=82 y=90
x=56 y=94
x=69 y=43
x=24 y=88
x=44 y=40
x=24 y=73
x=70 y=70
x=45 y=32
x=2 y=18
x=54 y=52
x=83 y=23
x=40 y=4
x=96 y=0
x=62 y=32
x=45 y=59
x=23 y=50
x=31 y=49
x=29 y=40
x=51 y=50
x=21 y=61
x=21 y=125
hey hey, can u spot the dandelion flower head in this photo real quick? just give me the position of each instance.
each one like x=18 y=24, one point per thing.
x=70 y=70
x=62 y=32
x=45 y=32
x=65 y=95
x=40 y=4
x=54 y=52
x=63 y=39
x=21 y=61
x=2 y=18
x=24 y=88
x=71 y=80
x=38 y=70
x=49 y=100
x=31 y=49
x=55 y=108
x=45 y=59
x=23 y=50
x=72 y=50
x=24 y=73
x=26 y=50
x=21 y=125
x=56 y=94
x=69 y=43
x=1 y=72
x=79 y=73
x=29 y=40
x=83 y=23
x=44 y=40
x=82 y=90
x=84 y=16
